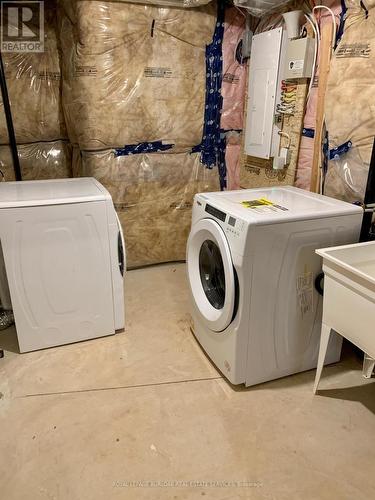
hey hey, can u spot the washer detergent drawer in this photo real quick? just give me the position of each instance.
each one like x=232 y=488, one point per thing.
x=58 y=265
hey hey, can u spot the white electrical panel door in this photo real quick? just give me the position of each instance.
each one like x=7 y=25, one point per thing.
x=262 y=89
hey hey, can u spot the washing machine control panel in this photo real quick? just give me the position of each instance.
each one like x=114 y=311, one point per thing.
x=235 y=232
x=231 y=225
x=236 y=236
x=235 y=229
x=218 y=214
x=235 y=226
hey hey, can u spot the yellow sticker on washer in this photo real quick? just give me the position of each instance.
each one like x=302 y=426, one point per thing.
x=256 y=203
x=262 y=203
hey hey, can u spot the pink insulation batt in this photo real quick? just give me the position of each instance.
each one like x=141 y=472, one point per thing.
x=234 y=73
x=233 y=91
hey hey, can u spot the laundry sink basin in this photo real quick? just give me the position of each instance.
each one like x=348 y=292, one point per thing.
x=356 y=260
x=349 y=299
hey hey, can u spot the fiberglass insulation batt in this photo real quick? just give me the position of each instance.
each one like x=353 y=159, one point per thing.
x=134 y=73
x=350 y=105
x=34 y=88
x=171 y=3
x=40 y=160
x=153 y=195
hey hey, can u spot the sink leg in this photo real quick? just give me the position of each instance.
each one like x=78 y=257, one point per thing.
x=324 y=339
x=368 y=366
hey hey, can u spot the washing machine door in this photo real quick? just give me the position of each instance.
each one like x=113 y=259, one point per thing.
x=211 y=274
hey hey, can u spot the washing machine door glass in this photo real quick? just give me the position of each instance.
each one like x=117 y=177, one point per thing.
x=211 y=269
x=211 y=274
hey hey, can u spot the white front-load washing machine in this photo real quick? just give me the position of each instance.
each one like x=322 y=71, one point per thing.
x=255 y=278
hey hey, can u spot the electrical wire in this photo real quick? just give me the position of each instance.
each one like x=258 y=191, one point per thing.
x=288 y=98
x=315 y=28
x=287 y=136
x=240 y=11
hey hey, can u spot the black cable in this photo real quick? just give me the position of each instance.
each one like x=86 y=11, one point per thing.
x=9 y=120
x=370 y=187
x=366 y=229
x=364 y=8
x=319 y=283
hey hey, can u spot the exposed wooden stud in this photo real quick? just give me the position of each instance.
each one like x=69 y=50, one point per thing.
x=324 y=64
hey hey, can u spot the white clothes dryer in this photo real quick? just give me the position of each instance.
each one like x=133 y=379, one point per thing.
x=62 y=259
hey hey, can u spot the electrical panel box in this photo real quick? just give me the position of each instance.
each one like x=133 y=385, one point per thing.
x=299 y=58
x=265 y=69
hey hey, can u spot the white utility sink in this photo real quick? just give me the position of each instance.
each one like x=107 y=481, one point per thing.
x=349 y=300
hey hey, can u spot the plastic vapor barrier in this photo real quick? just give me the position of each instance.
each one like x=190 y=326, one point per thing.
x=43 y=160
x=34 y=88
x=350 y=115
x=273 y=18
x=134 y=73
x=347 y=177
x=259 y=8
x=153 y=195
x=170 y=3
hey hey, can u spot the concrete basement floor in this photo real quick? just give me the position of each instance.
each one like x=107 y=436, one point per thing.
x=104 y=418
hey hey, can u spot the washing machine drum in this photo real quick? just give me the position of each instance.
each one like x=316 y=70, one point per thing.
x=211 y=274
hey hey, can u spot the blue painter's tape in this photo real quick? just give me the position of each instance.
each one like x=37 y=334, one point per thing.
x=212 y=147
x=336 y=153
x=143 y=147
x=340 y=30
x=308 y=132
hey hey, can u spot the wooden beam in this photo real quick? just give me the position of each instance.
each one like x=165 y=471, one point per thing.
x=324 y=64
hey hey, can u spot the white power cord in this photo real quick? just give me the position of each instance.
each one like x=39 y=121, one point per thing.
x=315 y=28
x=287 y=136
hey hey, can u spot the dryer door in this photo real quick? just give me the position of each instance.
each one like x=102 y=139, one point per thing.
x=211 y=274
